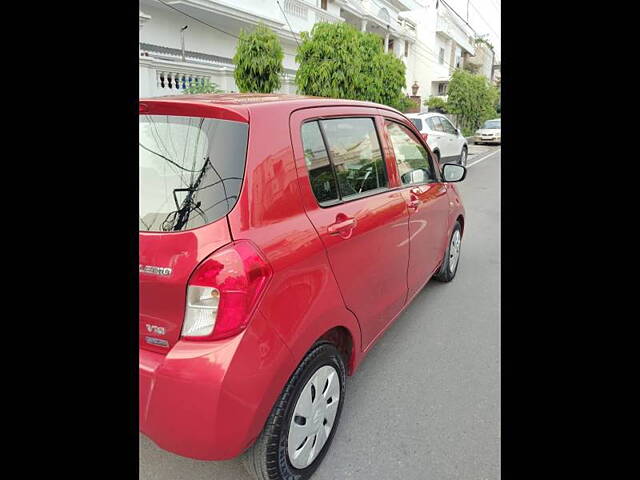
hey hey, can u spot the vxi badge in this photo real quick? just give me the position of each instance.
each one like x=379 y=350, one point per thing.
x=150 y=269
x=155 y=329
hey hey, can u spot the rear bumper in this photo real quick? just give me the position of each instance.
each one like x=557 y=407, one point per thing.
x=210 y=400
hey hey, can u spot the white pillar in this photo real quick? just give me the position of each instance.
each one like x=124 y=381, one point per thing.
x=386 y=43
x=363 y=27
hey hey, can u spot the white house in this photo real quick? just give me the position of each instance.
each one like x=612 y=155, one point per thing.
x=443 y=42
x=213 y=27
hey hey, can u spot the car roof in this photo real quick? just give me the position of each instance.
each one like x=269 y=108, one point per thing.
x=425 y=115
x=239 y=103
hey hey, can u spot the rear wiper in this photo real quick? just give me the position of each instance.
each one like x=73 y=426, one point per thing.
x=181 y=215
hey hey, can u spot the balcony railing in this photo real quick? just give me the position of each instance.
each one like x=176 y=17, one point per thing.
x=296 y=8
x=310 y=14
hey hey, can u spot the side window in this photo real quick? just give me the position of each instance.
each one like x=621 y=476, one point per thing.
x=356 y=155
x=411 y=157
x=448 y=127
x=430 y=123
x=323 y=181
x=437 y=124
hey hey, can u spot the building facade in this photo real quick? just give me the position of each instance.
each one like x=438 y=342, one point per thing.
x=443 y=43
x=213 y=27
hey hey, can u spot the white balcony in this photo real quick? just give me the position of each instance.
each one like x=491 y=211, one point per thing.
x=165 y=76
x=449 y=28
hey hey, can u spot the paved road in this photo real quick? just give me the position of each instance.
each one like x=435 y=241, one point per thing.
x=425 y=403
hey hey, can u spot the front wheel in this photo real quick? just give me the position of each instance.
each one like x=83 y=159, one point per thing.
x=303 y=421
x=451 y=256
x=463 y=157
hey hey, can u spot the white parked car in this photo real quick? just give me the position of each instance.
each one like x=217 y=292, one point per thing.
x=489 y=132
x=445 y=140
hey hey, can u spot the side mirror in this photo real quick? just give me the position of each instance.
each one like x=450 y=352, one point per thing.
x=453 y=173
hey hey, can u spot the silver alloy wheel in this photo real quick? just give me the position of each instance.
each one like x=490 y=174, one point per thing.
x=454 y=251
x=313 y=417
x=463 y=157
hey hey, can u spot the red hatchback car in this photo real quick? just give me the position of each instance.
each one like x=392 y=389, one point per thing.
x=280 y=236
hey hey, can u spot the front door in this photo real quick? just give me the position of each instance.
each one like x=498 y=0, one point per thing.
x=454 y=140
x=428 y=204
x=361 y=221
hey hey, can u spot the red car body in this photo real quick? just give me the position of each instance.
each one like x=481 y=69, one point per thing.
x=209 y=400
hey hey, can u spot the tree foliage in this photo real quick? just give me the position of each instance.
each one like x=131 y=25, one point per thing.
x=436 y=104
x=472 y=98
x=204 y=87
x=338 y=61
x=258 y=61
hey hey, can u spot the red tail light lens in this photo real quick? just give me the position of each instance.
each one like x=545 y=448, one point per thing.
x=224 y=291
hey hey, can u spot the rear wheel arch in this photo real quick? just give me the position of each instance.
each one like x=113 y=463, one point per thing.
x=460 y=220
x=342 y=338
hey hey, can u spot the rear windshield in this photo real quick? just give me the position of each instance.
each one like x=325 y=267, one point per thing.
x=491 y=124
x=417 y=122
x=191 y=170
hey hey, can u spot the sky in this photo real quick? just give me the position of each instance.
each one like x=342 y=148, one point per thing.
x=484 y=17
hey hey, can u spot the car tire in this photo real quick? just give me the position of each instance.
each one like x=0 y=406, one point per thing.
x=464 y=156
x=450 y=262
x=269 y=458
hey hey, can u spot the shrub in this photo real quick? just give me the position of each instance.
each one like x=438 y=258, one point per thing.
x=258 y=61
x=338 y=61
x=204 y=87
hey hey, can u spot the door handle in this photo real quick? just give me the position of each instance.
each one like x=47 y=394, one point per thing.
x=413 y=203
x=340 y=227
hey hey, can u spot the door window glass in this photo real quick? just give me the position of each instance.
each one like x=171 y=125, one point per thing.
x=448 y=127
x=411 y=157
x=323 y=181
x=437 y=125
x=356 y=155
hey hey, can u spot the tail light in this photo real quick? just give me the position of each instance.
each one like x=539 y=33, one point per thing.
x=223 y=292
x=424 y=135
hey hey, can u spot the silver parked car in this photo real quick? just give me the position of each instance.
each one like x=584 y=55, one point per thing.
x=489 y=132
x=445 y=140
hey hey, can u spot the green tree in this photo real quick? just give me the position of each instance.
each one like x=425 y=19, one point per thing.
x=436 y=104
x=203 y=87
x=472 y=99
x=258 y=61
x=338 y=61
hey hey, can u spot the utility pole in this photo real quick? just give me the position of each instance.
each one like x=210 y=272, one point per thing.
x=182 y=40
x=467 y=11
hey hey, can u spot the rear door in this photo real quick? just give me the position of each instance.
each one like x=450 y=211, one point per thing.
x=439 y=135
x=191 y=170
x=362 y=221
x=428 y=203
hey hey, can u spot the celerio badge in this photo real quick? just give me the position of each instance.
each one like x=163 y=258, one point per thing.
x=152 y=270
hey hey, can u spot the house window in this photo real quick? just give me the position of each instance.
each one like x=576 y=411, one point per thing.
x=441 y=56
x=406 y=48
x=391 y=44
x=323 y=4
x=442 y=89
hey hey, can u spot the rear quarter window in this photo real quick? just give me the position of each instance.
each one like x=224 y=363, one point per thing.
x=191 y=170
